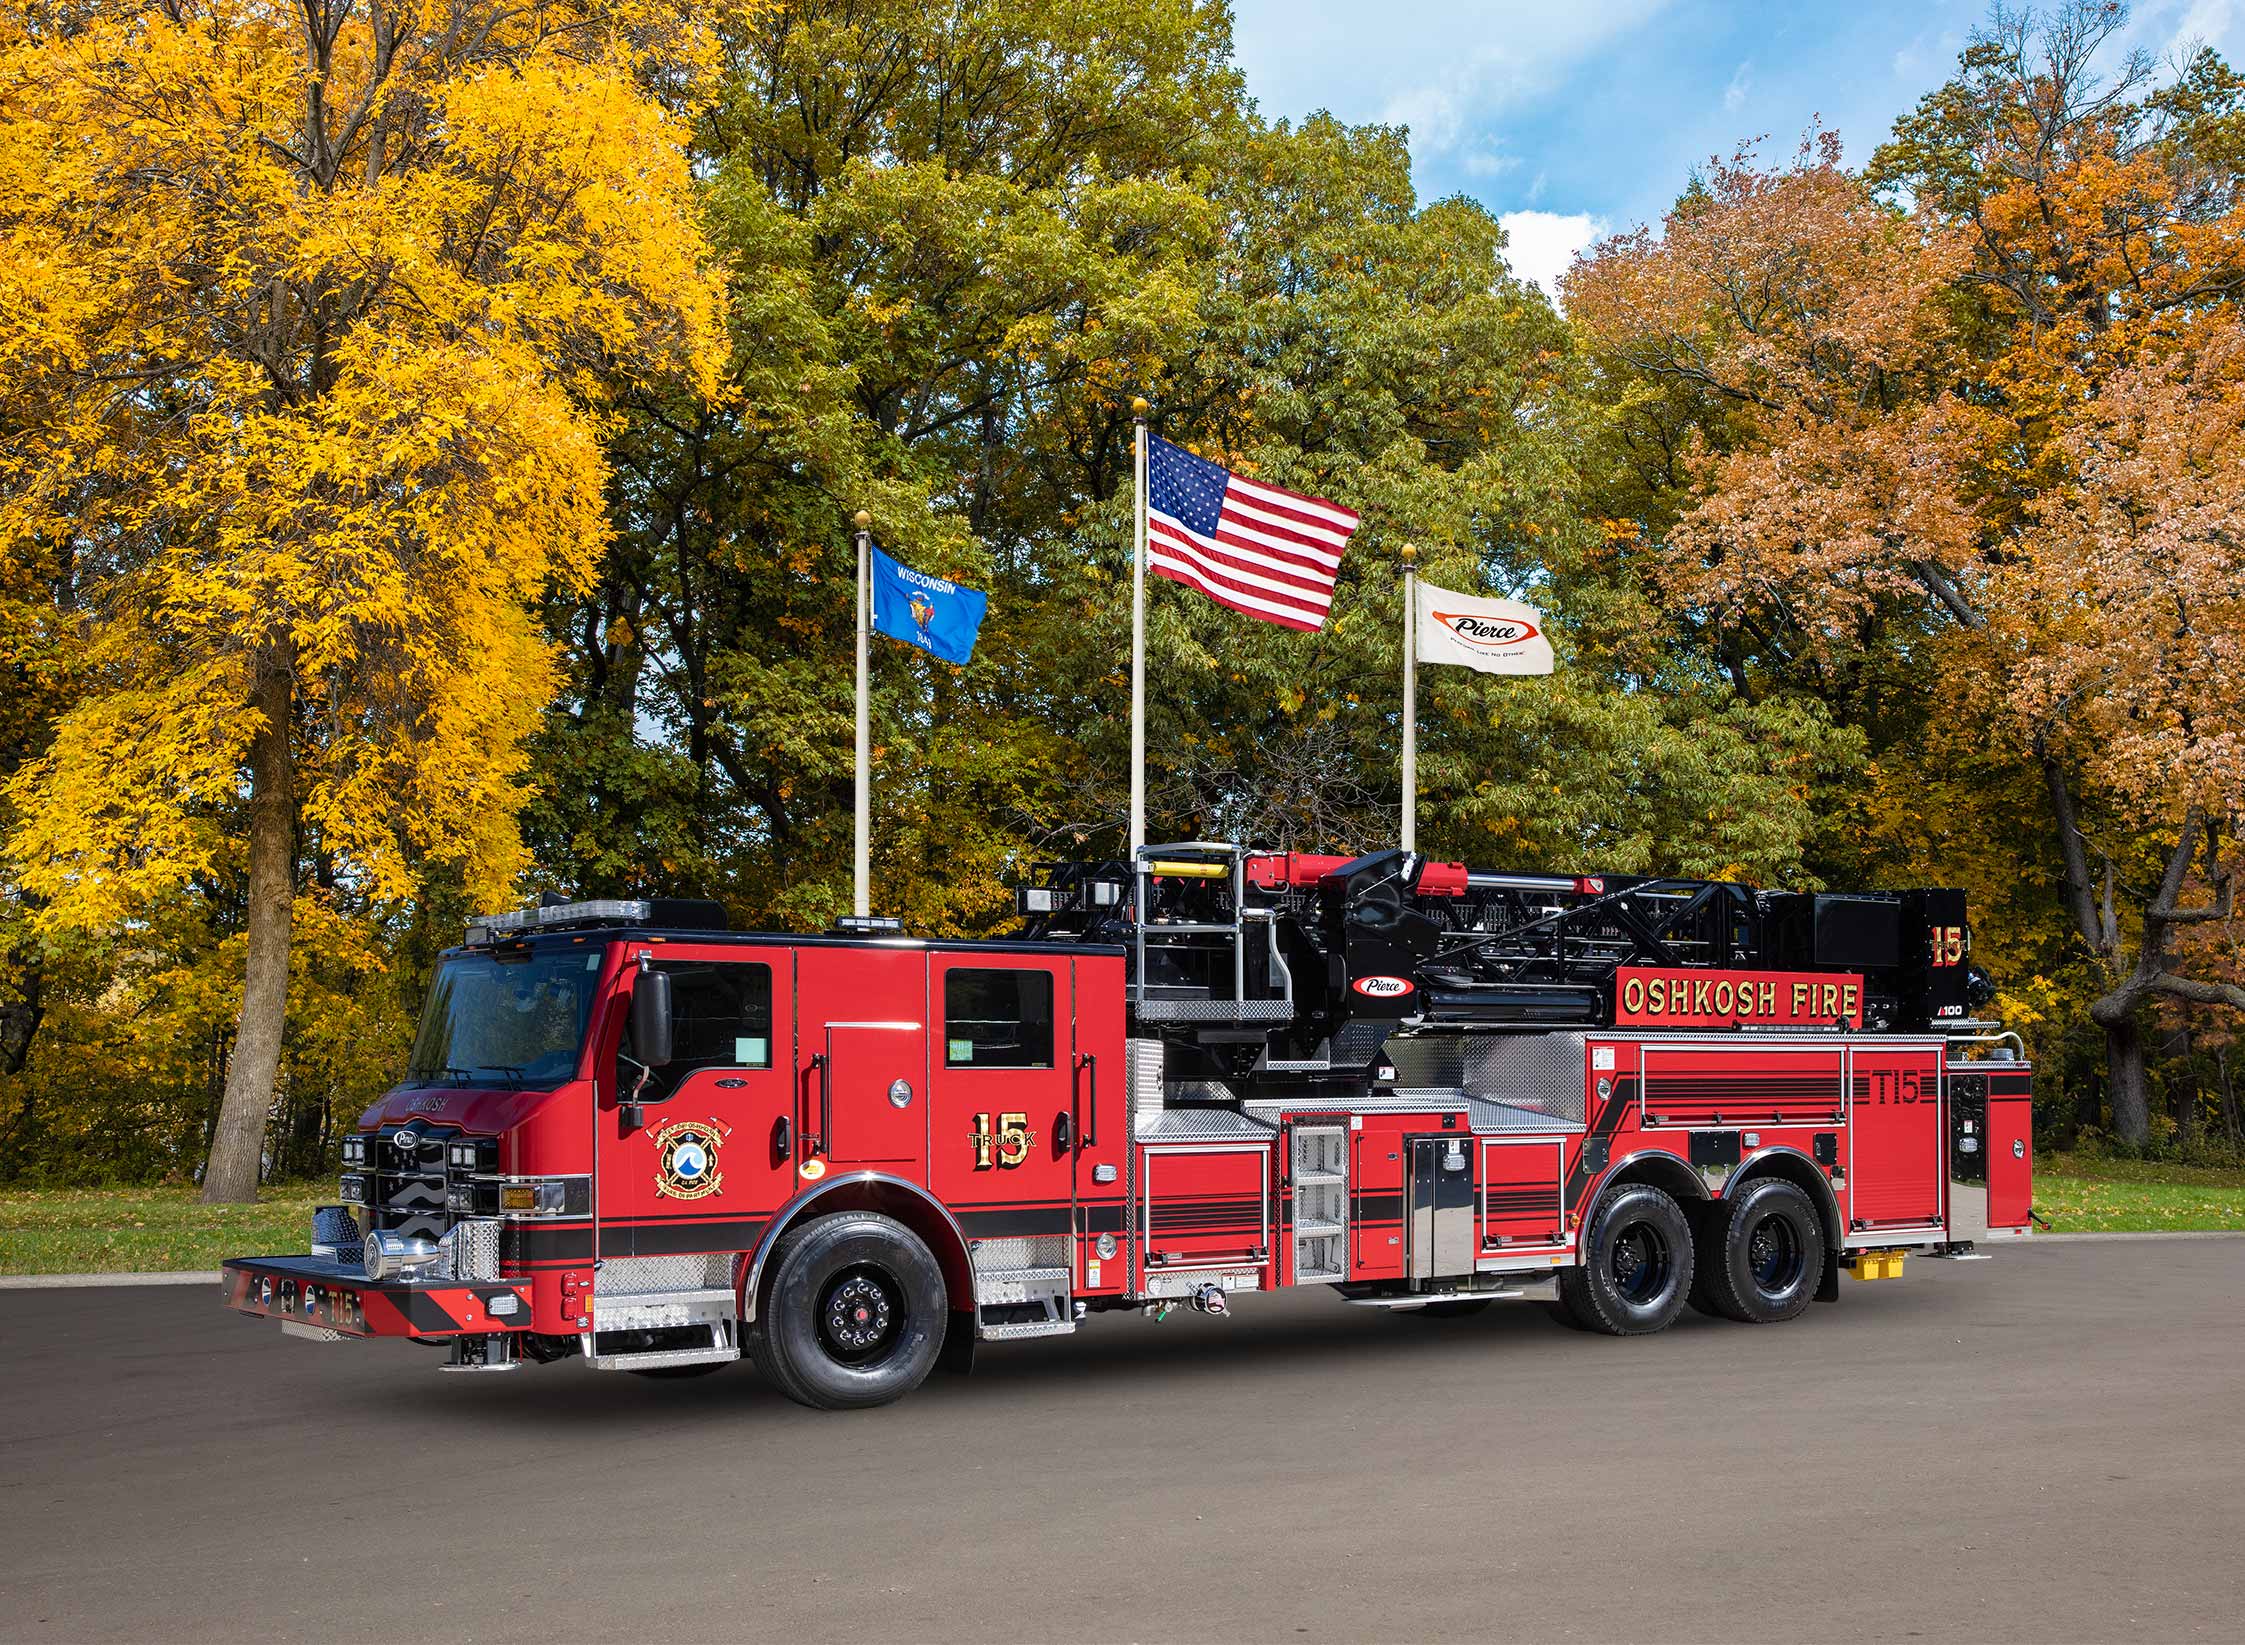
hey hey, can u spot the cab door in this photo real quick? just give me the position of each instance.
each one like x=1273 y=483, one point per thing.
x=862 y=1059
x=708 y=1158
x=1004 y=1077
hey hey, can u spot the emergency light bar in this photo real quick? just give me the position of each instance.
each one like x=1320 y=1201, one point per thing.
x=685 y=913
x=600 y=911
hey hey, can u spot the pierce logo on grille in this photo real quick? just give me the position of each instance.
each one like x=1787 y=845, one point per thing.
x=1383 y=988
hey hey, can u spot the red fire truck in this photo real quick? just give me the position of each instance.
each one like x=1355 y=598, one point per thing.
x=631 y=1136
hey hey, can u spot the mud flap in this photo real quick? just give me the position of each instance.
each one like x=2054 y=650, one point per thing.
x=958 y=1345
x=1828 y=1288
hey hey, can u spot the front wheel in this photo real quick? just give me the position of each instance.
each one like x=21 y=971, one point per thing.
x=855 y=1315
x=1636 y=1270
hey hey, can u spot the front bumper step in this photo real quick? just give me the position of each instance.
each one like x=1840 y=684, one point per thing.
x=329 y=1295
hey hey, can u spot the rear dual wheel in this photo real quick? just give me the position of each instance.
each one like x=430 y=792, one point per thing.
x=1761 y=1254
x=1637 y=1264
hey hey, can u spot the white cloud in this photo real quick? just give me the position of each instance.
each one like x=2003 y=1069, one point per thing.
x=1734 y=94
x=1445 y=68
x=1540 y=244
x=2204 y=22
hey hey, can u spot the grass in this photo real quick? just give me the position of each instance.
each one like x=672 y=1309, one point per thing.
x=2083 y=1193
x=146 y=1230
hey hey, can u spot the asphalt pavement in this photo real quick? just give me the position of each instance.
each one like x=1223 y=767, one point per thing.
x=2044 y=1447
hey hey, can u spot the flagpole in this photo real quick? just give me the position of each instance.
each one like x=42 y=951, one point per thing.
x=1410 y=700
x=1138 y=410
x=863 y=836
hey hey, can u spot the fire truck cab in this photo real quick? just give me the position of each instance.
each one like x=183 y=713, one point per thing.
x=631 y=1136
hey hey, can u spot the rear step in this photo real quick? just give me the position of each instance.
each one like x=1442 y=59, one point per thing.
x=1023 y=1302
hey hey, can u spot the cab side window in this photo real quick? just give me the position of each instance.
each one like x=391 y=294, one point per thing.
x=997 y=1019
x=721 y=1017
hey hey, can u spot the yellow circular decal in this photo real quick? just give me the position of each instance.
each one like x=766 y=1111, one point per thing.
x=812 y=1169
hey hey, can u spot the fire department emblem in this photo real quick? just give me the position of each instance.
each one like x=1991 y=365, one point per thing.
x=686 y=1158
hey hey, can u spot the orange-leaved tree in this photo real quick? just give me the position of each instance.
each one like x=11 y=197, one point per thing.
x=310 y=315
x=1984 y=387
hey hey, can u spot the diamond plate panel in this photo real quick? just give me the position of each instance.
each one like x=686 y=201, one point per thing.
x=1359 y=1042
x=1142 y=1071
x=647 y=1276
x=1215 y=1010
x=1505 y=1116
x=1201 y=1125
x=471 y=1249
x=1008 y=1252
x=1198 y=1091
x=1542 y=1073
x=335 y=1233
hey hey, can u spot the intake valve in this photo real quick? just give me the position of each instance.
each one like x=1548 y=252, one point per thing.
x=1209 y=1299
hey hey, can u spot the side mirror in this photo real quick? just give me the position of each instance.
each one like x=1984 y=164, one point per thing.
x=650 y=1018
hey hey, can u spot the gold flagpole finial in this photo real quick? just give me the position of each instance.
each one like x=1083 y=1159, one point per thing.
x=1410 y=552
x=1139 y=407
x=863 y=520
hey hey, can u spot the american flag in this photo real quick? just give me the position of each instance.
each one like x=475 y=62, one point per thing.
x=1270 y=553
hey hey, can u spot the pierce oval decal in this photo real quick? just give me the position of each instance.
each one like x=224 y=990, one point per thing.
x=1383 y=988
x=1488 y=633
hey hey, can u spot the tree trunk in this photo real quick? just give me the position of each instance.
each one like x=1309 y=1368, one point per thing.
x=2229 y=1097
x=2124 y=1073
x=238 y=1142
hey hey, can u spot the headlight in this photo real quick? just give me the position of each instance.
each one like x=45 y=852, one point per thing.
x=351 y=1188
x=476 y=1154
x=354 y=1150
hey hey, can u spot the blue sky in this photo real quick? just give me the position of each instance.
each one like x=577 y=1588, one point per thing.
x=1571 y=120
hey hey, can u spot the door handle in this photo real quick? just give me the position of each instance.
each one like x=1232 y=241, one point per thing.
x=783 y=1139
x=1088 y=1064
x=818 y=1141
x=1063 y=1130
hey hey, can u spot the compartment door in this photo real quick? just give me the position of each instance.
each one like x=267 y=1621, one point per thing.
x=1520 y=1184
x=1205 y=1207
x=1898 y=1140
x=863 y=1062
x=2011 y=1148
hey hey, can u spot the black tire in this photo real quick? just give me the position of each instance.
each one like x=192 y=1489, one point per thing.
x=1770 y=1258
x=1453 y=1308
x=1637 y=1264
x=855 y=1313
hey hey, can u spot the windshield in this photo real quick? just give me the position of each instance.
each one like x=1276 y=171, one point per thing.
x=517 y=1020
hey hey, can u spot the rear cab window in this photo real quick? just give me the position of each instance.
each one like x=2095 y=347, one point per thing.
x=996 y=1018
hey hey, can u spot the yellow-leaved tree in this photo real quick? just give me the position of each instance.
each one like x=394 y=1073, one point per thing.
x=308 y=313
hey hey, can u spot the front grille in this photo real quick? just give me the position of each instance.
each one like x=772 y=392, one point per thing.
x=407 y=1183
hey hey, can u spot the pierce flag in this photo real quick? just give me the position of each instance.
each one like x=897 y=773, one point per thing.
x=1494 y=636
